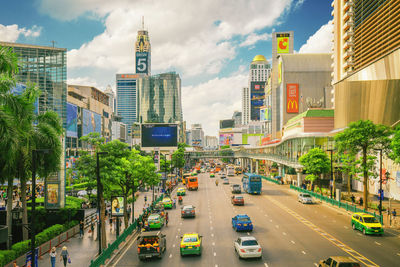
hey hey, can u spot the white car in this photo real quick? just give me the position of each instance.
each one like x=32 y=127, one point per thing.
x=305 y=198
x=248 y=247
x=226 y=181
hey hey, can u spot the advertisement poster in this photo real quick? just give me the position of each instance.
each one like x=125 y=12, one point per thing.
x=292 y=98
x=282 y=43
x=91 y=122
x=159 y=135
x=225 y=139
x=142 y=62
x=257 y=96
x=398 y=178
x=52 y=195
x=72 y=120
x=117 y=206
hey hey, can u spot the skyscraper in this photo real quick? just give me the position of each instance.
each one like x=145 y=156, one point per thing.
x=127 y=98
x=245 y=105
x=259 y=72
x=143 y=52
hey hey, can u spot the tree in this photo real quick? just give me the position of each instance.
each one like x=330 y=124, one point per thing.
x=178 y=157
x=364 y=137
x=395 y=145
x=315 y=162
x=348 y=164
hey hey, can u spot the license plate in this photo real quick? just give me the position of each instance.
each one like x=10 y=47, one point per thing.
x=190 y=247
x=376 y=230
x=245 y=224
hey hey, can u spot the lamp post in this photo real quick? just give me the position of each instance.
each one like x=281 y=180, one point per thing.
x=32 y=228
x=380 y=181
x=99 y=191
x=331 y=184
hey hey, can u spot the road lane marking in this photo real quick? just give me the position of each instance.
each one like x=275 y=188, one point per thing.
x=215 y=254
x=248 y=233
x=212 y=235
x=173 y=245
x=211 y=228
x=265 y=264
x=303 y=252
x=265 y=215
x=346 y=227
x=378 y=243
x=284 y=233
x=213 y=243
x=170 y=255
x=292 y=241
x=359 y=234
x=398 y=254
x=277 y=226
x=176 y=236
x=270 y=220
x=179 y=229
x=324 y=234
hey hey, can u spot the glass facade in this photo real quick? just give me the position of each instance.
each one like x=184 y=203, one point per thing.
x=160 y=98
x=47 y=68
x=127 y=99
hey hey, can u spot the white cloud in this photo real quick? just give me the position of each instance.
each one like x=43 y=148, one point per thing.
x=208 y=103
x=11 y=33
x=254 y=38
x=319 y=42
x=87 y=81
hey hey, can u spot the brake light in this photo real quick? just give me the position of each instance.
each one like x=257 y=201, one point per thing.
x=138 y=250
x=183 y=212
x=182 y=246
x=157 y=222
x=192 y=211
x=242 y=250
x=158 y=249
x=198 y=245
x=259 y=250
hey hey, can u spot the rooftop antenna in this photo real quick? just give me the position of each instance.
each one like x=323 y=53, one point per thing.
x=53 y=42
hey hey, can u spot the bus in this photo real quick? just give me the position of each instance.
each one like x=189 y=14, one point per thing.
x=192 y=183
x=230 y=171
x=185 y=177
x=252 y=183
x=238 y=170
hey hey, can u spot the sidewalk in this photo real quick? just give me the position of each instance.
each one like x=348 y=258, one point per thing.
x=83 y=250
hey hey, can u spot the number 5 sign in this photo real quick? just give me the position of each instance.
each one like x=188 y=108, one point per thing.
x=142 y=62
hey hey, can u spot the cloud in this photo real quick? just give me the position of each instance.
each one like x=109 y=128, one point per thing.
x=298 y=4
x=87 y=81
x=11 y=33
x=209 y=102
x=254 y=38
x=319 y=42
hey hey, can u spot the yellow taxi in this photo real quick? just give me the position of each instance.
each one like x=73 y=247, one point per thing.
x=181 y=191
x=167 y=202
x=191 y=244
x=366 y=223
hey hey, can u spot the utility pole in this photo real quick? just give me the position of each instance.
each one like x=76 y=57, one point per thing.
x=99 y=191
x=380 y=181
x=331 y=183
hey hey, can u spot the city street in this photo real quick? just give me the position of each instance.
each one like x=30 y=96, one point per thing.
x=290 y=233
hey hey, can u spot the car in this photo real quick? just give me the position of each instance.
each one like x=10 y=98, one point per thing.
x=156 y=221
x=248 y=247
x=305 y=198
x=236 y=188
x=158 y=208
x=167 y=202
x=226 y=181
x=366 y=223
x=188 y=211
x=181 y=191
x=212 y=175
x=339 y=261
x=242 y=222
x=237 y=200
x=191 y=244
x=223 y=175
x=151 y=244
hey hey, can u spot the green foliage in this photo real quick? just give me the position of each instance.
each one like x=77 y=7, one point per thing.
x=316 y=162
x=311 y=177
x=6 y=256
x=224 y=147
x=178 y=158
x=274 y=165
x=21 y=248
x=291 y=171
x=395 y=145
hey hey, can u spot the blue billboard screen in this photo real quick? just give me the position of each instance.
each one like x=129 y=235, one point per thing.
x=159 y=135
x=72 y=120
x=91 y=122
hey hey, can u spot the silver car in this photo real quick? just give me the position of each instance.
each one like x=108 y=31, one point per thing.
x=305 y=198
x=248 y=247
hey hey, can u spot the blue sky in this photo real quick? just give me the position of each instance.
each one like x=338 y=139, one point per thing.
x=210 y=43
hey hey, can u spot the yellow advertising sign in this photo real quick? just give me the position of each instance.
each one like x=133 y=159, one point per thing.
x=282 y=45
x=280 y=72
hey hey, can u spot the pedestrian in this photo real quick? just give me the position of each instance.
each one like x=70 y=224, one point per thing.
x=81 y=228
x=15 y=264
x=53 y=256
x=65 y=256
x=361 y=201
x=394 y=214
x=166 y=218
x=145 y=199
x=353 y=199
x=110 y=221
x=174 y=202
x=92 y=227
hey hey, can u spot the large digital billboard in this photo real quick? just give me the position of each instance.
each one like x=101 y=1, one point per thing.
x=159 y=135
x=91 y=122
x=225 y=139
x=72 y=120
x=292 y=98
x=223 y=124
x=257 y=95
x=142 y=62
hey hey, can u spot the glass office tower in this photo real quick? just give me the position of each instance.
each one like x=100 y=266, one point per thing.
x=126 y=98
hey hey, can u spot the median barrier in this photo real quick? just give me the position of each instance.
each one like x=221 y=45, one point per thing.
x=271 y=180
x=334 y=202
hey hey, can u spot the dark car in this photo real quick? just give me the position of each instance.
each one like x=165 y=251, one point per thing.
x=188 y=211
x=151 y=244
x=236 y=188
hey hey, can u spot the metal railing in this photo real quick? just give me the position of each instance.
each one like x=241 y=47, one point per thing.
x=334 y=202
x=108 y=252
x=271 y=179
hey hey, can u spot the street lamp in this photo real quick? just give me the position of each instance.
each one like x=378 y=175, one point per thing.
x=32 y=228
x=331 y=183
x=380 y=181
x=99 y=191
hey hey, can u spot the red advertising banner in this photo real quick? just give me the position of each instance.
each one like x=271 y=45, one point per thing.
x=292 y=98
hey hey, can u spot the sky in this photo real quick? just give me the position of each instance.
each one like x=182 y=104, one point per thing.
x=210 y=43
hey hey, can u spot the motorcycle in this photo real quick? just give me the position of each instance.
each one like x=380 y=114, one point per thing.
x=180 y=200
x=216 y=182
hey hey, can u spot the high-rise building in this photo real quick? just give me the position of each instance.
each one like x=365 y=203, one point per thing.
x=237 y=117
x=127 y=98
x=211 y=143
x=197 y=134
x=112 y=100
x=143 y=52
x=159 y=98
x=366 y=49
x=259 y=73
x=245 y=105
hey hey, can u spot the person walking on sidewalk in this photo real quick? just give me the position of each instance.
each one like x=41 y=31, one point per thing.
x=65 y=256
x=92 y=227
x=81 y=229
x=166 y=218
x=353 y=199
x=394 y=214
x=53 y=256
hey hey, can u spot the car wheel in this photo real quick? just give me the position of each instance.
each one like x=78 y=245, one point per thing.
x=353 y=226
x=363 y=231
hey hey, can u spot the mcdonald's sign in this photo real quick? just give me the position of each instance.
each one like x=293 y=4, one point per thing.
x=292 y=98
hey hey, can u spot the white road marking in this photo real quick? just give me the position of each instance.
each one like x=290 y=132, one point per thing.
x=173 y=245
x=303 y=252
x=265 y=215
x=210 y=222
x=277 y=226
x=284 y=233
x=216 y=265
x=212 y=235
x=179 y=229
x=270 y=220
x=378 y=243
x=346 y=227
x=170 y=255
x=398 y=254
x=211 y=228
x=265 y=264
x=248 y=233
x=359 y=234
x=215 y=254
x=176 y=236
x=213 y=243
x=292 y=241
x=315 y=264
x=180 y=223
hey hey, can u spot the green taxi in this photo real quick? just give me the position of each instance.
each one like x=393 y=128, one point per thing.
x=181 y=191
x=156 y=221
x=167 y=202
x=366 y=223
x=191 y=244
x=212 y=175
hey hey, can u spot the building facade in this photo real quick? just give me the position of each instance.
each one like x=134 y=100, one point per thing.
x=245 y=105
x=127 y=98
x=211 y=143
x=143 y=52
x=237 y=117
x=159 y=98
x=197 y=136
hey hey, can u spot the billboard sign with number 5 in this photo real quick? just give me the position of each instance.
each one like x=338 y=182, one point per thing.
x=142 y=62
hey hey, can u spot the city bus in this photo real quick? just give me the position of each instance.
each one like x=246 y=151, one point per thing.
x=185 y=177
x=192 y=183
x=230 y=171
x=252 y=183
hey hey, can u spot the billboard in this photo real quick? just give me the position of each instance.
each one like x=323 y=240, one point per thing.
x=282 y=43
x=257 y=95
x=117 y=206
x=91 y=122
x=292 y=98
x=52 y=194
x=159 y=135
x=142 y=62
x=72 y=120
x=226 y=124
x=225 y=139
x=265 y=114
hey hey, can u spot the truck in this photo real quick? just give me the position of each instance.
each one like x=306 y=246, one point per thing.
x=151 y=244
x=230 y=171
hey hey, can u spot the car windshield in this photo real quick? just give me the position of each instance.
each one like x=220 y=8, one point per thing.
x=166 y=200
x=306 y=195
x=190 y=239
x=349 y=264
x=370 y=220
x=255 y=179
x=239 y=198
x=249 y=243
x=193 y=180
x=243 y=219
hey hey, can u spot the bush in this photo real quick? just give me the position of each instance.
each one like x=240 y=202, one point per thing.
x=21 y=248
x=7 y=256
x=69 y=225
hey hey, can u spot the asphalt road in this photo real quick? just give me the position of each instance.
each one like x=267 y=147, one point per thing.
x=290 y=233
